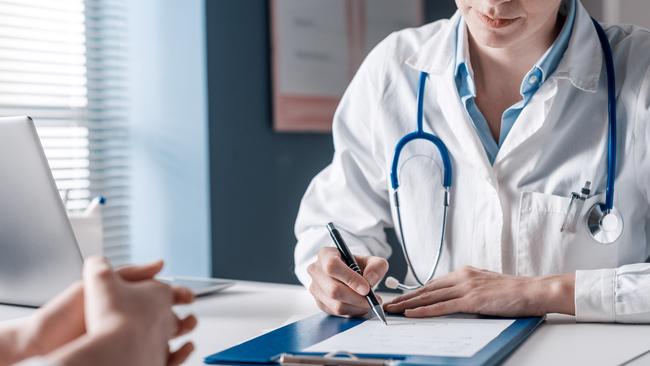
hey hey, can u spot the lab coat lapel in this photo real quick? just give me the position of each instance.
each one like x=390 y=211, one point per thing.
x=581 y=65
x=468 y=143
x=530 y=120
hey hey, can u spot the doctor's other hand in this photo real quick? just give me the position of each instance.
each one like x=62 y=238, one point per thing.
x=474 y=291
x=337 y=289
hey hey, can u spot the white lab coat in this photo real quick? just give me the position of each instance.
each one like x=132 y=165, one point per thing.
x=505 y=217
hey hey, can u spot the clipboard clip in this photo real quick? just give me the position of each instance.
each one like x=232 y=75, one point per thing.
x=331 y=359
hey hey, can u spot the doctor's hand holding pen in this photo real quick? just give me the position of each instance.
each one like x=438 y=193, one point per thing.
x=337 y=289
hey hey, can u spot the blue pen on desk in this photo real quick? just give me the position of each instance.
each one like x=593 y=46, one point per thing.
x=349 y=260
x=94 y=205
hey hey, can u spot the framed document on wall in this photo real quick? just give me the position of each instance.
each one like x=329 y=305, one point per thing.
x=317 y=47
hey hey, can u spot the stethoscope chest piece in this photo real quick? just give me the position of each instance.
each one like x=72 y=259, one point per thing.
x=604 y=227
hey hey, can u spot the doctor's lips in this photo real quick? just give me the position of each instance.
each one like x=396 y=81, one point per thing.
x=495 y=22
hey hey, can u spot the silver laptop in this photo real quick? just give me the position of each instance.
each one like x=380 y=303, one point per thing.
x=200 y=286
x=39 y=255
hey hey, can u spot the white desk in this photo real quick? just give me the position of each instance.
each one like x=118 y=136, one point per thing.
x=249 y=309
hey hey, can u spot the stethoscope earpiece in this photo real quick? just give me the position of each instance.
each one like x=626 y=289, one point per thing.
x=393 y=284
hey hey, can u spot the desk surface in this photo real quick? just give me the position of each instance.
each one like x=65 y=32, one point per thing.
x=249 y=309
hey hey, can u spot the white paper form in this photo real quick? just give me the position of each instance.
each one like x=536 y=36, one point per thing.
x=446 y=337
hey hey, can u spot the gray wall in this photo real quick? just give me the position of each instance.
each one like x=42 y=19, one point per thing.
x=629 y=11
x=595 y=8
x=620 y=11
x=257 y=176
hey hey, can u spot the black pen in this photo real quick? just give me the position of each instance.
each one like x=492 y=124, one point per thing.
x=349 y=260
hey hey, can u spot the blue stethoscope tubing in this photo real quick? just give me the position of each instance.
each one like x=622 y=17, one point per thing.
x=596 y=215
x=611 y=113
x=446 y=183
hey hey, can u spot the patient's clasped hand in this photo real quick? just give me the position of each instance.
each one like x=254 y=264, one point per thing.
x=112 y=317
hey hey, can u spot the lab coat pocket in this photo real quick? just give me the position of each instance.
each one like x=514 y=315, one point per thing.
x=539 y=241
x=543 y=249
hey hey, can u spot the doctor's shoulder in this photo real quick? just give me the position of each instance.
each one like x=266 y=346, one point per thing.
x=407 y=41
x=631 y=48
x=392 y=51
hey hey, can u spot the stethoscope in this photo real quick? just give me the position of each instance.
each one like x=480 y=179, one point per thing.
x=604 y=223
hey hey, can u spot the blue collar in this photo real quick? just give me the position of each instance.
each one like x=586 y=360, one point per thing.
x=540 y=71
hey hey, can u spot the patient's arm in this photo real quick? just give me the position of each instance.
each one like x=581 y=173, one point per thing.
x=9 y=334
x=127 y=323
x=58 y=322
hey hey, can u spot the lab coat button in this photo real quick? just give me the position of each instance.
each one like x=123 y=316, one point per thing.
x=533 y=79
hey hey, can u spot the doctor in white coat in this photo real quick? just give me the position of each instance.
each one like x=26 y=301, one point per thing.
x=517 y=90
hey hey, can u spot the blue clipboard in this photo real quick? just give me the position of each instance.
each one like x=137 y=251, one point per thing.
x=293 y=338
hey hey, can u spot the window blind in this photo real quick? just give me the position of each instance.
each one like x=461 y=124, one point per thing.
x=107 y=119
x=64 y=64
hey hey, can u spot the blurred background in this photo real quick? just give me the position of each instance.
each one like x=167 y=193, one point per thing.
x=201 y=121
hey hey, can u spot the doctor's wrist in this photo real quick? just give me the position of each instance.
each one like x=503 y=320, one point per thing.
x=557 y=293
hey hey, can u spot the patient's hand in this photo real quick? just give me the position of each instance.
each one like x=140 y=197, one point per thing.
x=56 y=323
x=137 y=316
x=58 y=329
